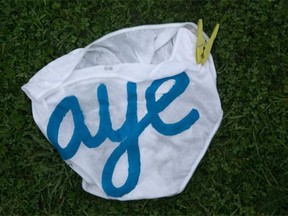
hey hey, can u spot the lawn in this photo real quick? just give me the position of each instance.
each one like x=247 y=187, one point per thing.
x=245 y=171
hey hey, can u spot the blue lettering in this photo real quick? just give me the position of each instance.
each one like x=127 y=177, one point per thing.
x=128 y=134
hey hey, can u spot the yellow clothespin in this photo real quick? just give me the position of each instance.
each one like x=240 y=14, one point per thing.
x=204 y=47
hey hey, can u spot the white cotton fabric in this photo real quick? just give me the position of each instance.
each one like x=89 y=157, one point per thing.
x=138 y=55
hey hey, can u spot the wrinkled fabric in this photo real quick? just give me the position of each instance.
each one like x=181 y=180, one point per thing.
x=132 y=113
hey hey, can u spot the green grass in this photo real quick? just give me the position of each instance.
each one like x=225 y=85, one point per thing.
x=245 y=171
